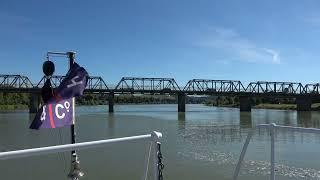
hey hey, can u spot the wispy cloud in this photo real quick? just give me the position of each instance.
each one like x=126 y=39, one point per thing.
x=274 y=54
x=237 y=47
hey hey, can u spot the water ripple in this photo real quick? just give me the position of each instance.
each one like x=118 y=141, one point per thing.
x=252 y=167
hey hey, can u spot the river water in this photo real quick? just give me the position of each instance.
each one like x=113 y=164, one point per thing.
x=203 y=143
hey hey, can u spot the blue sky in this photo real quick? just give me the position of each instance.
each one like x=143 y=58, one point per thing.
x=240 y=40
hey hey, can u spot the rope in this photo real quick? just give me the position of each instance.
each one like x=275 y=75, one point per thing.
x=147 y=163
x=62 y=153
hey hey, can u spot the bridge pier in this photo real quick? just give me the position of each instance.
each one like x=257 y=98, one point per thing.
x=303 y=103
x=245 y=120
x=181 y=102
x=245 y=103
x=35 y=100
x=111 y=102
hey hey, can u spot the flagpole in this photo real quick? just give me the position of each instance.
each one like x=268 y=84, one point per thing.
x=48 y=68
x=71 y=56
x=75 y=172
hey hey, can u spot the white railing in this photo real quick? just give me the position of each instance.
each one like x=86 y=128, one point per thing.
x=272 y=127
x=154 y=138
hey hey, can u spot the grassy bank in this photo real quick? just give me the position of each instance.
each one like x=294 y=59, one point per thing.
x=228 y=105
x=314 y=107
x=276 y=106
x=264 y=106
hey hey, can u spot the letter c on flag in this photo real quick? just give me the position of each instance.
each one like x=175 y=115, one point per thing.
x=57 y=111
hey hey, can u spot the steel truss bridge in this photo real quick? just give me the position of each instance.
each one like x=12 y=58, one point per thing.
x=137 y=85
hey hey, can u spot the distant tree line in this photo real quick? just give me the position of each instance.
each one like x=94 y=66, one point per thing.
x=21 y=100
x=10 y=101
x=14 y=98
x=234 y=100
x=100 y=99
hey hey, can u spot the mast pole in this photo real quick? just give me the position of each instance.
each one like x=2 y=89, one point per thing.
x=71 y=56
x=75 y=172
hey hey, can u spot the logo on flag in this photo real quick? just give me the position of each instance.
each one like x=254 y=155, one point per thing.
x=53 y=115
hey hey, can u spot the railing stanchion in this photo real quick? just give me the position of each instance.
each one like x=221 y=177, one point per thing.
x=243 y=152
x=272 y=170
x=272 y=127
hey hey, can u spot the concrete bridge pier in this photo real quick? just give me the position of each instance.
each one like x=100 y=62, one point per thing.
x=303 y=103
x=181 y=120
x=181 y=102
x=245 y=103
x=111 y=102
x=35 y=102
x=245 y=120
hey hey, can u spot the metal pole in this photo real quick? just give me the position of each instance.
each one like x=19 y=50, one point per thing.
x=272 y=170
x=243 y=152
x=69 y=147
x=75 y=172
x=71 y=56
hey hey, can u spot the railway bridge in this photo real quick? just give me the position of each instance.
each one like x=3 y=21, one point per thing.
x=304 y=94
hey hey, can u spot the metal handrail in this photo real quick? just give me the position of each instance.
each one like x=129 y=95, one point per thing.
x=272 y=128
x=154 y=137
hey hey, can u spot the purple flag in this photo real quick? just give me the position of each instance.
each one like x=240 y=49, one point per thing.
x=54 y=114
x=73 y=84
x=58 y=111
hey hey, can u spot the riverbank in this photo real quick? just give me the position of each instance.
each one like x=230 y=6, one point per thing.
x=314 y=107
x=276 y=106
x=13 y=107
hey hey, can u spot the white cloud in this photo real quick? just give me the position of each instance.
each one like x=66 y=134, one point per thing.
x=237 y=47
x=275 y=55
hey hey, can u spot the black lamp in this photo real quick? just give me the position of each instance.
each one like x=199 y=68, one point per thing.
x=48 y=68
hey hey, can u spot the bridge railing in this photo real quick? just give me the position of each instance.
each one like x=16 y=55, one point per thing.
x=147 y=84
x=15 y=81
x=94 y=82
x=205 y=85
x=272 y=127
x=154 y=138
x=312 y=88
x=55 y=81
x=169 y=85
x=275 y=87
